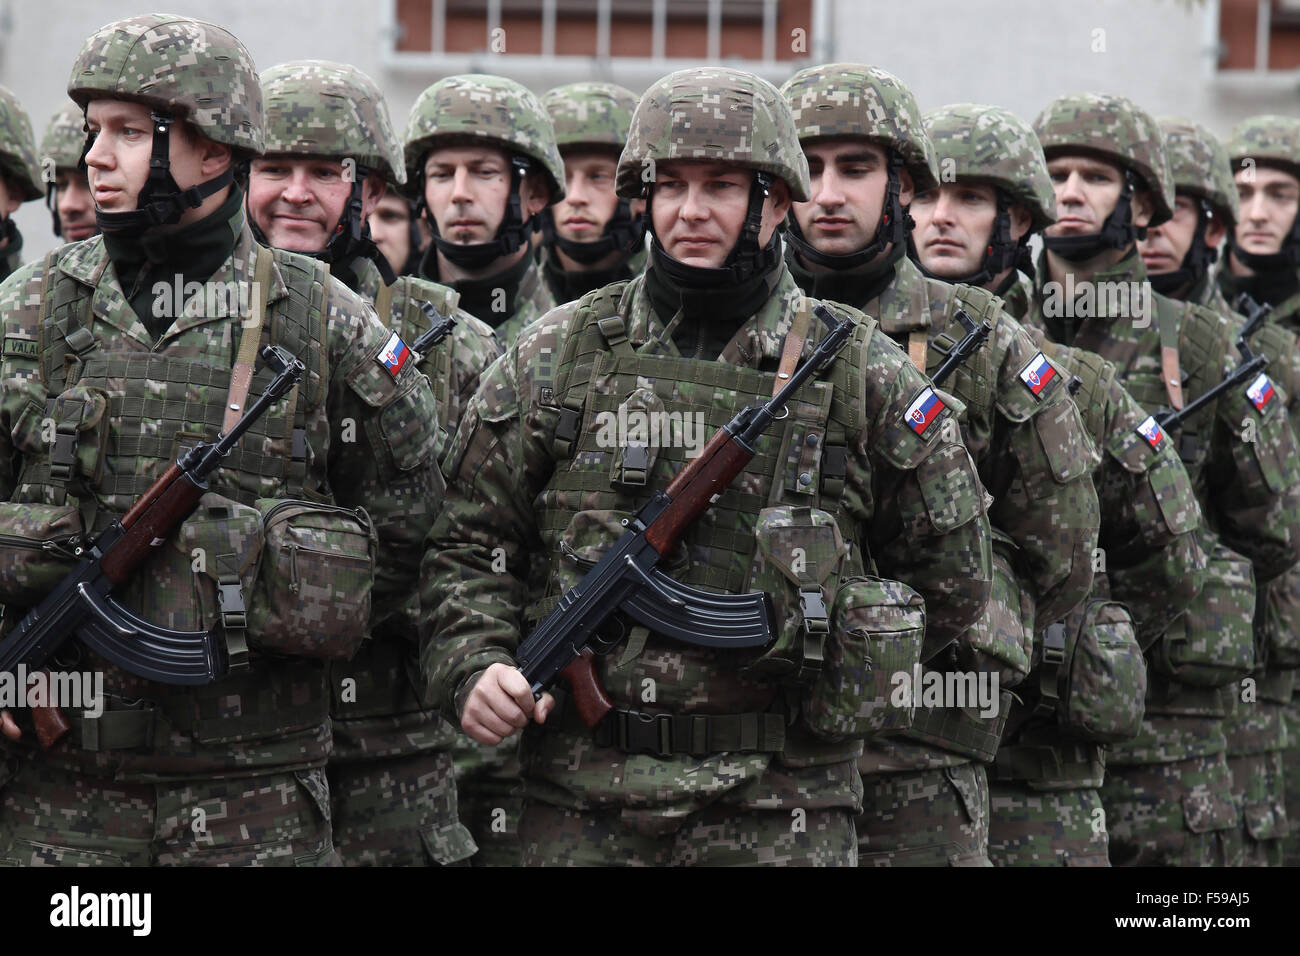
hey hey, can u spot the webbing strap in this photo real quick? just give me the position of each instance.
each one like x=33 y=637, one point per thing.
x=793 y=348
x=249 y=338
x=1170 y=370
x=666 y=735
x=917 y=346
x=1076 y=761
x=384 y=304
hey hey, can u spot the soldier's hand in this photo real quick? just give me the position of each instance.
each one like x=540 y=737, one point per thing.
x=500 y=704
x=9 y=727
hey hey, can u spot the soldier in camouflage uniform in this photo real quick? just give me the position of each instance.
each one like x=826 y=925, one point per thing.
x=926 y=791
x=391 y=769
x=741 y=768
x=482 y=159
x=591 y=237
x=20 y=177
x=1167 y=794
x=71 y=207
x=232 y=772
x=1264 y=260
x=1045 y=808
x=398 y=231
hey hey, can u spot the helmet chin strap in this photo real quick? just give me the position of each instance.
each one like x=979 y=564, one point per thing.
x=621 y=234
x=161 y=201
x=1198 y=259
x=511 y=235
x=1286 y=258
x=895 y=226
x=1001 y=253
x=746 y=259
x=1117 y=232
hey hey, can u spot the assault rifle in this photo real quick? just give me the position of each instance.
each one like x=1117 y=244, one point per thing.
x=1251 y=364
x=970 y=343
x=627 y=577
x=82 y=604
x=439 y=330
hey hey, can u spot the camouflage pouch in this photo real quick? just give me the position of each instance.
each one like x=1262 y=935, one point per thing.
x=1213 y=643
x=36 y=549
x=1092 y=673
x=221 y=542
x=797 y=558
x=634 y=434
x=1280 y=620
x=312 y=597
x=1005 y=631
x=79 y=424
x=877 y=631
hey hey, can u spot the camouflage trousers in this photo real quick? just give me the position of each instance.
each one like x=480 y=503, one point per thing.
x=934 y=817
x=1291 y=783
x=1172 y=814
x=718 y=835
x=491 y=798
x=55 y=817
x=398 y=811
x=1029 y=827
x=1257 y=788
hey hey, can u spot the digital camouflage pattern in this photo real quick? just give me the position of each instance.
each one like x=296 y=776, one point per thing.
x=590 y=114
x=491 y=110
x=712 y=113
x=507 y=479
x=18 y=161
x=273 y=819
x=319 y=108
x=1199 y=165
x=64 y=138
x=179 y=64
x=838 y=100
x=1268 y=140
x=994 y=146
x=936 y=817
x=1117 y=129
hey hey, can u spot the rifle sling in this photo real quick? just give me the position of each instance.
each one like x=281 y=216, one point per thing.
x=241 y=377
x=1170 y=368
x=918 y=344
x=792 y=348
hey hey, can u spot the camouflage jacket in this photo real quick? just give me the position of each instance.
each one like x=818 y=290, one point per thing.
x=507 y=301
x=371 y=441
x=919 y=518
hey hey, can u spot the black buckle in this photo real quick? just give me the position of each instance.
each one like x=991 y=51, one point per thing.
x=636 y=464
x=1054 y=643
x=641 y=733
x=835 y=460
x=231 y=601
x=567 y=428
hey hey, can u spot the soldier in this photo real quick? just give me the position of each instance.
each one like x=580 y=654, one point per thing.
x=71 y=208
x=926 y=791
x=1264 y=260
x=1045 y=808
x=481 y=156
x=398 y=231
x=1167 y=795
x=735 y=756
x=20 y=177
x=593 y=236
x=330 y=153
x=231 y=772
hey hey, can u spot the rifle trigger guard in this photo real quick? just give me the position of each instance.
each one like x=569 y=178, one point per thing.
x=652 y=584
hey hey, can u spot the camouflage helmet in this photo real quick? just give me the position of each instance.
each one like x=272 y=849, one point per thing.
x=1115 y=129
x=995 y=146
x=1199 y=165
x=319 y=108
x=477 y=108
x=713 y=113
x=64 y=138
x=177 y=64
x=1268 y=140
x=18 y=149
x=590 y=114
x=838 y=100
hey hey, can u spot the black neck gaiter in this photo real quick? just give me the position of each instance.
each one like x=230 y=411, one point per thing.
x=479 y=296
x=855 y=287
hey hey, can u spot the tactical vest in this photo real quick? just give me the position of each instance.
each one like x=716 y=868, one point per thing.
x=794 y=482
x=398 y=306
x=122 y=417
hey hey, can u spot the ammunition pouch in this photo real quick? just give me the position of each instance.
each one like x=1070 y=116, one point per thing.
x=36 y=551
x=1213 y=643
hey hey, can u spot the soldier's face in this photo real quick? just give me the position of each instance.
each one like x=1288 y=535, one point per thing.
x=297 y=201
x=954 y=223
x=76 y=209
x=698 y=208
x=1087 y=190
x=11 y=197
x=589 y=198
x=467 y=189
x=849 y=178
x=1167 y=244
x=1269 y=200
x=390 y=227
x=118 y=160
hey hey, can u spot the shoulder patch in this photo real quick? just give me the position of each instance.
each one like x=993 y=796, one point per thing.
x=22 y=348
x=1151 y=431
x=393 y=355
x=1260 y=392
x=925 y=408
x=1039 y=376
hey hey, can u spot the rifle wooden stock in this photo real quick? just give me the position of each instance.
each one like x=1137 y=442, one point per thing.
x=694 y=488
x=168 y=502
x=589 y=697
x=49 y=721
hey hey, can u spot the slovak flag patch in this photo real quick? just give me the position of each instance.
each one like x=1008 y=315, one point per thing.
x=1151 y=432
x=1038 y=374
x=924 y=410
x=1260 y=393
x=394 y=355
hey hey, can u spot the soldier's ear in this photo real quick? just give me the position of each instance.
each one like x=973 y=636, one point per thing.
x=535 y=194
x=1143 y=207
x=1021 y=220
x=778 y=197
x=1215 y=232
x=372 y=190
x=906 y=187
